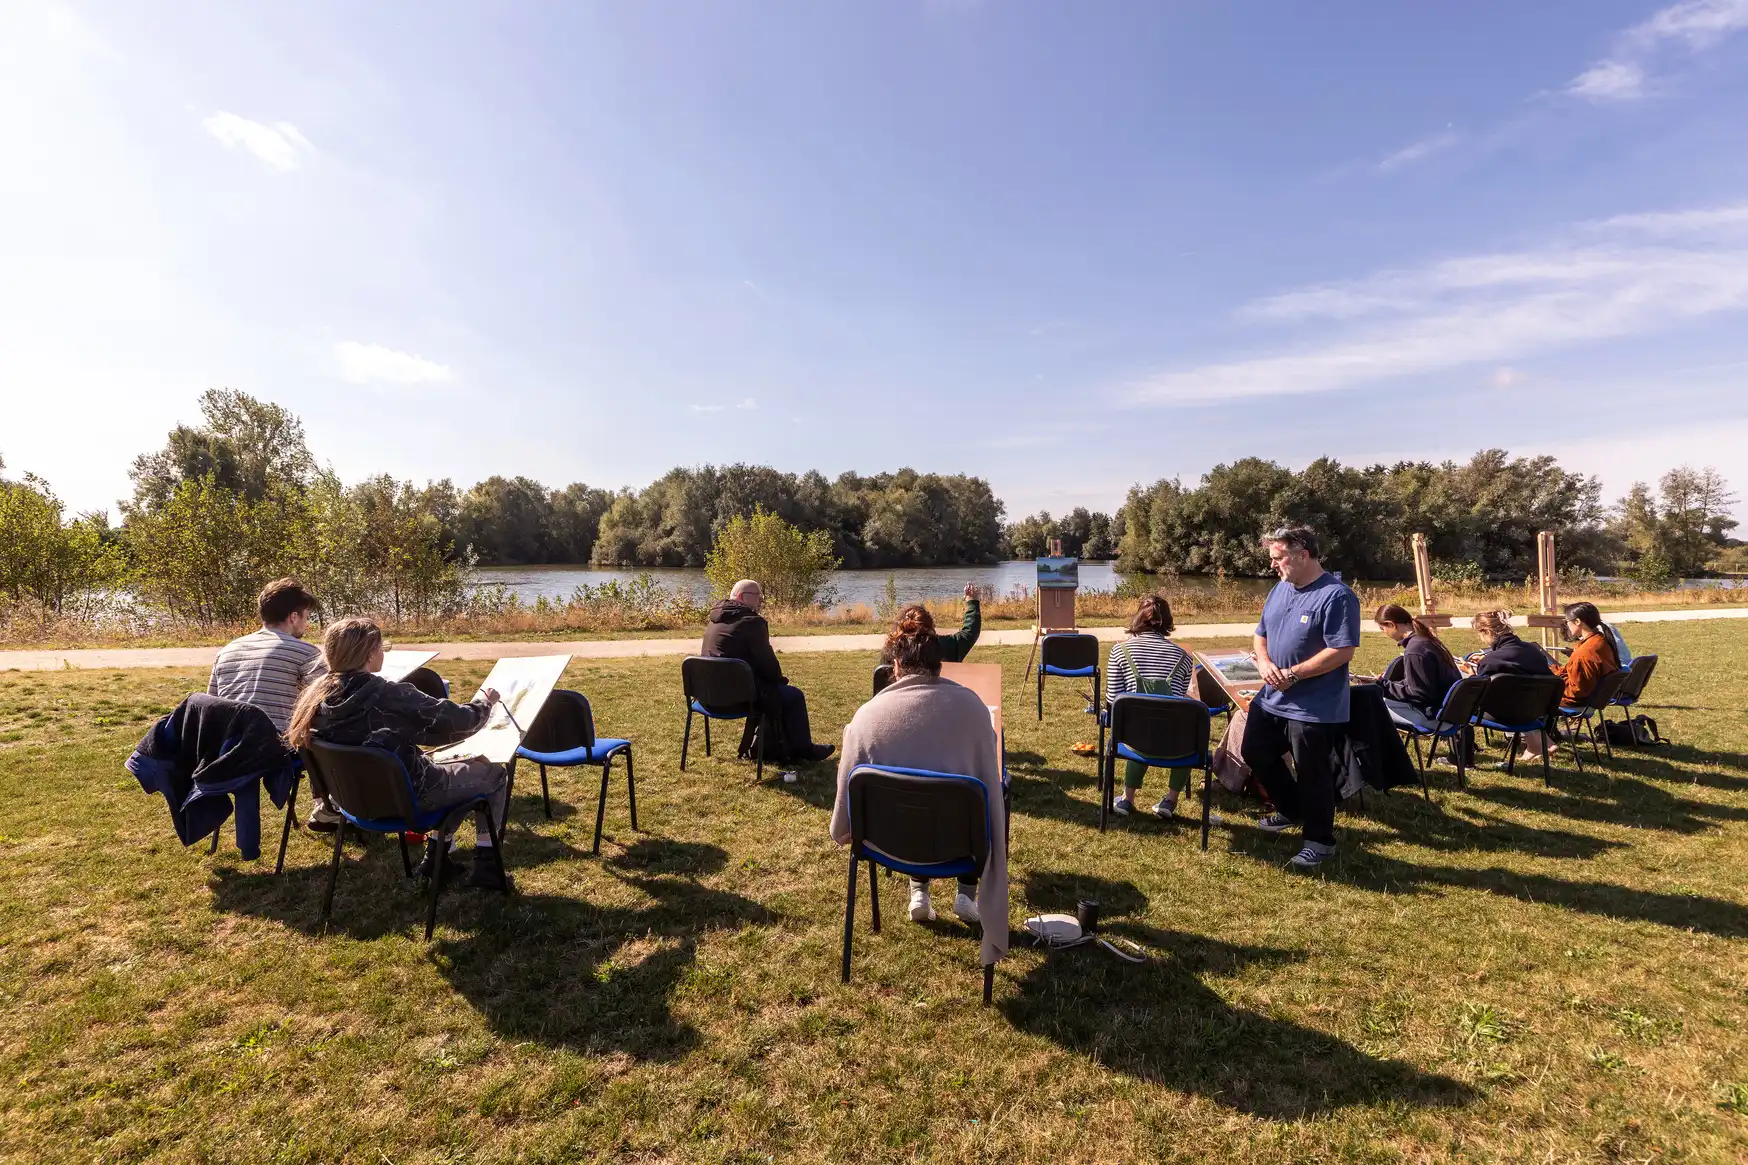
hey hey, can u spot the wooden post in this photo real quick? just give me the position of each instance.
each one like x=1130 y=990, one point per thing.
x=1423 y=576
x=1549 y=578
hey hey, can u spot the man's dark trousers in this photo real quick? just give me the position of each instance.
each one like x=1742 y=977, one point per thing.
x=786 y=704
x=1310 y=799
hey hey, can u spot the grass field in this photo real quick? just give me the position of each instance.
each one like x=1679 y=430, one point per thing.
x=1511 y=973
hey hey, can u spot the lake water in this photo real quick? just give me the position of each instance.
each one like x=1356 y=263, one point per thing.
x=867 y=587
x=853 y=586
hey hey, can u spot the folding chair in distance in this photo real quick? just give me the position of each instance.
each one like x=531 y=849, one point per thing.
x=720 y=689
x=563 y=736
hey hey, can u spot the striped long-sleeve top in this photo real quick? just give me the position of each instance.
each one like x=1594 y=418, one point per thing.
x=1148 y=656
x=267 y=669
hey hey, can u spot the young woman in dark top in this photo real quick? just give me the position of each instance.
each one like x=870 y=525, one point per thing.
x=1415 y=684
x=1506 y=654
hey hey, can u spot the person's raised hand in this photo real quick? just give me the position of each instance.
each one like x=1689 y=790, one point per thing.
x=489 y=697
x=970 y=590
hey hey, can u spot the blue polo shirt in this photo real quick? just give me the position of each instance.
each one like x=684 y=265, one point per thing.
x=1298 y=622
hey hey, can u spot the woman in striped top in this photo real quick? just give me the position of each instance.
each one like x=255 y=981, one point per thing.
x=1149 y=663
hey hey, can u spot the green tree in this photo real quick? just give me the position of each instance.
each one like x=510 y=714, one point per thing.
x=245 y=445
x=57 y=565
x=791 y=566
x=203 y=554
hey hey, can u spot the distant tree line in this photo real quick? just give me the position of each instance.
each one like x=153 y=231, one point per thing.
x=239 y=498
x=1480 y=518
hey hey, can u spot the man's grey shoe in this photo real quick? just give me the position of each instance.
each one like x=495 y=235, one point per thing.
x=1313 y=855
x=1276 y=823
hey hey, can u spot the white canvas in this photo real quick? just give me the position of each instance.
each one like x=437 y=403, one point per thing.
x=524 y=683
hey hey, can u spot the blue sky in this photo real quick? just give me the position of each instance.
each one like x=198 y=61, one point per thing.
x=1066 y=247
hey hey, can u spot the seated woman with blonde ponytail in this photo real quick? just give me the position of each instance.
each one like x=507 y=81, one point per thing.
x=353 y=705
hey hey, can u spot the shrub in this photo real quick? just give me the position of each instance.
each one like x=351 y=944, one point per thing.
x=789 y=565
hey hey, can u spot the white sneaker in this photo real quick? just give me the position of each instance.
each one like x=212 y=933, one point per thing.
x=920 y=910
x=1311 y=857
x=965 y=906
x=1122 y=806
x=1166 y=807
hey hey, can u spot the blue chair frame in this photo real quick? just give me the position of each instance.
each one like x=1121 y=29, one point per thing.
x=1456 y=715
x=1073 y=642
x=1589 y=714
x=1500 y=686
x=387 y=804
x=703 y=682
x=861 y=850
x=1193 y=712
x=565 y=734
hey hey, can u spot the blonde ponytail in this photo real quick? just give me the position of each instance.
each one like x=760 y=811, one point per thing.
x=347 y=646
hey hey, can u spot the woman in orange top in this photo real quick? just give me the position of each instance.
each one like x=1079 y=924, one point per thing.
x=1593 y=657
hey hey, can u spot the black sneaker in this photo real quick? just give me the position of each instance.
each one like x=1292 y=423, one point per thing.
x=488 y=871
x=427 y=866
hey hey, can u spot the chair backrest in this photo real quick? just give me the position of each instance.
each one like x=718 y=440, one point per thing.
x=369 y=783
x=1463 y=700
x=1638 y=675
x=1210 y=692
x=1069 y=651
x=429 y=682
x=1606 y=689
x=1522 y=699
x=882 y=677
x=724 y=686
x=917 y=817
x=1167 y=727
x=565 y=722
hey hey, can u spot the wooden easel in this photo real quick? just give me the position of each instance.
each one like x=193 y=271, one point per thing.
x=1055 y=609
x=1548 y=578
x=1423 y=579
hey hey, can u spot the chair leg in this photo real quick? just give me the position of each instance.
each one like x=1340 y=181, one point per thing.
x=406 y=858
x=849 y=916
x=601 y=805
x=988 y=983
x=1571 y=739
x=545 y=795
x=1207 y=800
x=437 y=884
x=1107 y=774
x=1040 y=692
x=687 y=738
x=1420 y=762
x=631 y=787
x=333 y=874
x=290 y=820
x=764 y=731
x=1511 y=754
x=213 y=848
x=874 y=897
x=706 y=736
x=1421 y=770
x=1548 y=767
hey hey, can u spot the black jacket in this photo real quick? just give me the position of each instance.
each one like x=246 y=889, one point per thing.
x=736 y=631
x=1420 y=676
x=207 y=752
x=955 y=647
x=1511 y=656
x=370 y=710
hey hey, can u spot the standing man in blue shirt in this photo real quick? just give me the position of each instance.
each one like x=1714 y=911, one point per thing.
x=1310 y=626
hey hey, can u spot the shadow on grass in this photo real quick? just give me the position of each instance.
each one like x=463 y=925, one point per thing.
x=1161 y=1023
x=1632 y=802
x=551 y=969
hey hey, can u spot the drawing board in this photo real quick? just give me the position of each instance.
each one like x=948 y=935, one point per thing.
x=1236 y=673
x=985 y=680
x=524 y=683
x=397 y=665
x=1058 y=573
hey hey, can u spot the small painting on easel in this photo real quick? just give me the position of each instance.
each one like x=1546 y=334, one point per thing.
x=1056 y=573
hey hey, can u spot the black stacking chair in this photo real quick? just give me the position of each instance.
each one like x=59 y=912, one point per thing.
x=1633 y=687
x=1455 y=717
x=1588 y=714
x=429 y=682
x=882 y=677
x=1072 y=654
x=1162 y=732
x=373 y=793
x=563 y=736
x=920 y=823
x=720 y=689
x=1518 y=704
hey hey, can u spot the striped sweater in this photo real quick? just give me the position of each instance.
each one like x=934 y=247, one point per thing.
x=1154 y=657
x=267 y=669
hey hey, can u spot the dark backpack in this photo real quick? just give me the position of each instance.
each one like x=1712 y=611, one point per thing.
x=1640 y=730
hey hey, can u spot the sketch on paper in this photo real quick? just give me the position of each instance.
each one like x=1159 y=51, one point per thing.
x=523 y=684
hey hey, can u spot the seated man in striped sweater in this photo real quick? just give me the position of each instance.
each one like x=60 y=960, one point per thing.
x=1149 y=663
x=270 y=667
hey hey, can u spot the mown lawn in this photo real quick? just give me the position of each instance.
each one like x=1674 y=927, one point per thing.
x=1510 y=973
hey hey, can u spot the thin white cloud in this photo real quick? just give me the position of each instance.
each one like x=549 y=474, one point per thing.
x=1693 y=25
x=1420 y=150
x=1505 y=376
x=375 y=364
x=280 y=145
x=1617 y=277
x=1609 y=81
